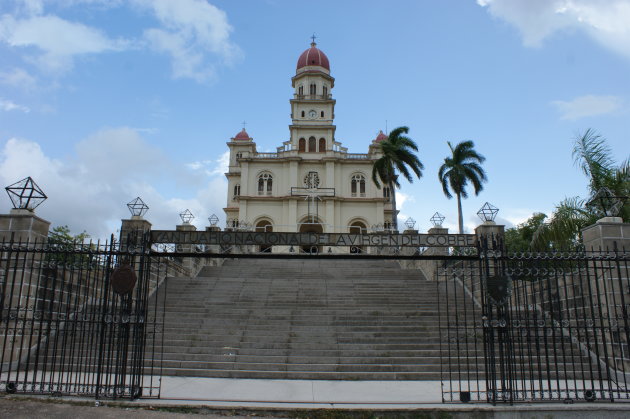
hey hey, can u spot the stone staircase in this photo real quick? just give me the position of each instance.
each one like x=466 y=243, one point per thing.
x=302 y=319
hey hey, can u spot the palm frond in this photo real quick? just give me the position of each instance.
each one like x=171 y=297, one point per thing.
x=593 y=156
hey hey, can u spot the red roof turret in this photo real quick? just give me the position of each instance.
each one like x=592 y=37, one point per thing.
x=242 y=136
x=380 y=137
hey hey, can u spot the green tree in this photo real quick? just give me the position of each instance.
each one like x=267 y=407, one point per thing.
x=61 y=237
x=519 y=238
x=462 y=167
x=398 y=157
x=594 y=158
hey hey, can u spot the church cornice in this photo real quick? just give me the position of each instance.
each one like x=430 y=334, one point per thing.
x=310 y=99
x=296 y=198
x=313 y=73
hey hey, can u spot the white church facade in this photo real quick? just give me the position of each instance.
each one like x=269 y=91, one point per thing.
x=311 y=183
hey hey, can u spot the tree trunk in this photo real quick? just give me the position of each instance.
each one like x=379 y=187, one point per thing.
x=392 y=190
x=459 y=211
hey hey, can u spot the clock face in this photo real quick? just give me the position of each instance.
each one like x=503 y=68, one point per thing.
x=312 y=113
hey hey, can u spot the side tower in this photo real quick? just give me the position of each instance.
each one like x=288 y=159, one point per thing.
x=240 y=145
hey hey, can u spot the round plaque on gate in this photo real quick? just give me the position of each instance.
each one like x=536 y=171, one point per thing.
x=499 y=289
x=123 y=279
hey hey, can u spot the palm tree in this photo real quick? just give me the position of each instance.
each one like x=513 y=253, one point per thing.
x=463 y=166
x=594 y=158
x=398 y=156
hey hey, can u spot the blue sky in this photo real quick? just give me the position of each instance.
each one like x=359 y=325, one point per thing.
x=102 y=101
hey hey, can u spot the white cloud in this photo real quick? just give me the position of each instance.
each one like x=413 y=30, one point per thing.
x=193 y=33
x=216 y=167
x=191 y=29
x=18 y=78
x=606 y=21
x=7 y=105
x=58 y=40
x=589 y=105
x=89 y=191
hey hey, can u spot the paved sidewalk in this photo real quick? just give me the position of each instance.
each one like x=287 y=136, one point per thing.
x=298 y=393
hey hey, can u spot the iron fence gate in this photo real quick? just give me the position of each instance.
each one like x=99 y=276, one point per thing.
x=535 y=326
x=79 y=319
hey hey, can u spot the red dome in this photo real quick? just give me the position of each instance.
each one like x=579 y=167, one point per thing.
x=380 y=137
x=313 y=56
x=242 y=136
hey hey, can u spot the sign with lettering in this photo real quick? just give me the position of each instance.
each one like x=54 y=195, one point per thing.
x=234 y=238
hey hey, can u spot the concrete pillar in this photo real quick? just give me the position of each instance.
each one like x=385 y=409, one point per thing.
x=190 y=264
x=23 y=267
x=24 y=226
x=438 y=251
x=607 y=233
x=493 y=233
x=132 y=231
x=430 y=267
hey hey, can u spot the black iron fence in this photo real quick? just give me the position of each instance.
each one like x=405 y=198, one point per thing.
x=536 y=327
x=79 y=319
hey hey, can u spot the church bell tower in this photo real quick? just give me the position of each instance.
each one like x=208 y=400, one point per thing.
x=312 y=106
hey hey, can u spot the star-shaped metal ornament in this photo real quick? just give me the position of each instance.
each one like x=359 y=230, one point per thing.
x=213 y=220
x=437 y=219
x=604 y=203
x=137 y=207
x=488 y=212
x=186 y=216
x=410 y=223
x=26 y=194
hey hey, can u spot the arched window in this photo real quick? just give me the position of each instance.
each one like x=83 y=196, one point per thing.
x=301 y=90
x=237 y=191
x=322 y=114
x=358 y=185
x=322 y=145
x=302 y=145
x=325 y=92
x=312 y=145
x=387 y=193
x=357 y=227
x=263 y=226
x=303 y=114
x=265 y=184
x=313 y=88
x=239 y=156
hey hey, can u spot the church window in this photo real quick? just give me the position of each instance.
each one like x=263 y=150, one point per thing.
x=312 y=145
x=387 y=193
x=388 y=225
x=302 y=145
x=301 y=91
x=265 y=184
x=358 y=185
x=313 y=88
x=325 y=92
x=239 y=156
x=322 y=114
x=322 y=145
x=303 y=114
x=264 y=226
x=237 y=191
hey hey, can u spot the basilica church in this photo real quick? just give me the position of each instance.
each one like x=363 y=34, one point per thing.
x=311 y=183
